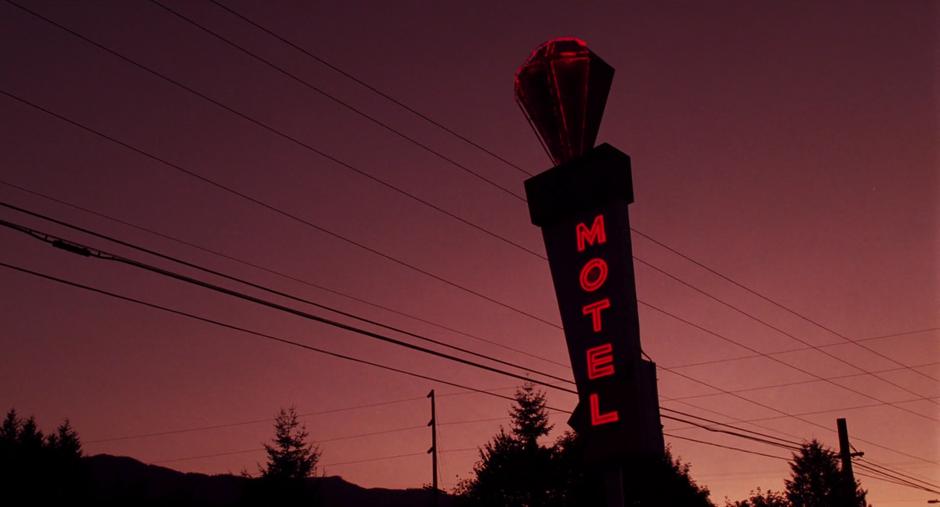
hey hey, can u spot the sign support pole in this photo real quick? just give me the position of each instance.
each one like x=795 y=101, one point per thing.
x=613 y=485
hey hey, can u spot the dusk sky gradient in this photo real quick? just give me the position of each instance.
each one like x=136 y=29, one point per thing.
x=791 y=146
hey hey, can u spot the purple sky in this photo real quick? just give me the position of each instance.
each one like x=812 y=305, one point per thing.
x=788 y=145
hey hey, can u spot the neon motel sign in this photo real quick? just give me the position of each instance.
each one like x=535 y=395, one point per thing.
x=581 y=206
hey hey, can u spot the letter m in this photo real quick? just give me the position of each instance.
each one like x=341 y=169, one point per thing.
x=593 y=235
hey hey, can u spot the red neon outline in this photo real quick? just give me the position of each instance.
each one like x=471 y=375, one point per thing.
x=597 y=418
x=595 y=234
x=594 y=310
x=586 y=284
x=600 y=361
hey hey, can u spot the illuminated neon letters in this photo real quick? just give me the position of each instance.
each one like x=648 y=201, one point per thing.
x=592 y=278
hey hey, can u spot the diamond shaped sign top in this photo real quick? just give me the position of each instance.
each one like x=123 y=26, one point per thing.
x=562 y=88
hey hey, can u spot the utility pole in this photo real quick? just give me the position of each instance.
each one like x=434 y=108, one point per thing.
x=433 y=450
x=845 y=452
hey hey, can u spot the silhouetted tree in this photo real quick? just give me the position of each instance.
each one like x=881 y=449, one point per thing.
x=39 y=469
x=762 y=499
x=817 y=481
x=291 y=460
x=529 y=416
x=647 y=481
x=290 y=457
x=514 y=469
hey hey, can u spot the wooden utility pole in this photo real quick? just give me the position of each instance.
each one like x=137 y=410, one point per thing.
x=433 y=450
x=845 y=452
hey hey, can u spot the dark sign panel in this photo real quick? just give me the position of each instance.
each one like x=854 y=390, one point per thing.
x=581 y=206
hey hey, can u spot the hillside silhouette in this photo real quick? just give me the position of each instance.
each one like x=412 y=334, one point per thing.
x=120 y=480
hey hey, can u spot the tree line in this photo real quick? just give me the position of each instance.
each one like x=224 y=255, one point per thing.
x=516 y=468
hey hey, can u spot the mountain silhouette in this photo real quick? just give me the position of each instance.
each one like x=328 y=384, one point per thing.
x=120 y=480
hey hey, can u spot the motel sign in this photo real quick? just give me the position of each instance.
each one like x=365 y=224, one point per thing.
x=581 y=207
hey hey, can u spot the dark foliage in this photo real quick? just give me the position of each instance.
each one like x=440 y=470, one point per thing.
x=290 y=457
x=762 y=499
x=291 y=461
x=39 y=469
x=816 y=480
x=516 y=470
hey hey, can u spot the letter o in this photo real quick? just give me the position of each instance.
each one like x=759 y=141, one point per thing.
x=597 y=265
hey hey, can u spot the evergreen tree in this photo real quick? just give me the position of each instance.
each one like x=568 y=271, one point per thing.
x=290 y=457
x=529 y=416
x=514 y=469
x=647 y=481
x=762 y=499
x=817 y=481
x=39 y=469
x=64 y=442
x=10 y=429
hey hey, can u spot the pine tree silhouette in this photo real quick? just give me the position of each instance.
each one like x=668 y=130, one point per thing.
x=291 y=461
x=817 y=481
x=515 y=470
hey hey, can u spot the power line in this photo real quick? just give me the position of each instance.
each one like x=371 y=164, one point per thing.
x=334 y=99
x=789 y=443
x=807 y=421
x=905 y=333
x=277 y=273
x=279 y=211
x=772 y=358
x=244 y=423
x=714 y=387
x=739 y=449
x=284 y=72
x=772 y=301
x=213 y=455
x=367 y=333
x=488 y=298
x=272 y=337
x=447 y=328
x=230 y=292
x=256 y=333
x=312 y=87
x=896 y=478
x=450 y=131
x=87 y=251
x=259 y=449
x=896 y=472
x=292 y=342
x=438 y=324
x=492 y=342
x=466 y=449
x=773 y=327
x=774 y=441
x=371 y=88
x=393 y=259
x=135 y=63
x=275 y=131
x=873 y=398
x=789 y=384
x=258 y=286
